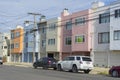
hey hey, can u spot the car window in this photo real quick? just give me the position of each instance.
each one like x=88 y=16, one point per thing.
x=65 y=59
x=71 y=58
x=78 y=58
x=86 y=59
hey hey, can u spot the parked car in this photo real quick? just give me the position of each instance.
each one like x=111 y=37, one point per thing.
x=115 y=71
x=45 y=62
x=1 y=60
x=75 y=63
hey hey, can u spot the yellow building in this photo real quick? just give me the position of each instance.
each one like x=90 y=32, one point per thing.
x=17 y=36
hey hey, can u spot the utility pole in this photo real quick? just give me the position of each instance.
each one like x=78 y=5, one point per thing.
x=34 y=34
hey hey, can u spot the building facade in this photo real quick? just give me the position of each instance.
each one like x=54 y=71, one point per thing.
x=31 y=44
x=17 y=44
x=75 y=33
x=5 y=46
x=42 y=25
x=53 y=34
x=106 y=34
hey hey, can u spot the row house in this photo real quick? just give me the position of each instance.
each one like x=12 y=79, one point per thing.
x=53 y=34
x=42 y=36
x=17 y=44
x=31 y=44
x=105 y=20
x=5 y=46
x=49 y=33
x=75 y=33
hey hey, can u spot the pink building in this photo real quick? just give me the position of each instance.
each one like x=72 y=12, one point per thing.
x=75 y=33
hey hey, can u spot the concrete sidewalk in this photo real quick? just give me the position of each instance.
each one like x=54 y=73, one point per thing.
x=20 y=64
x=96 y=70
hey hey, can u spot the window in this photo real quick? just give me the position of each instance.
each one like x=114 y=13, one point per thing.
x=12 y=46
x=5 y=47
x=78 y=58
x=104 y=18
x=52 y=27
x=43 y=30
x=43 y=43
x=68 y=41
x=117 y=13
x=117 y=35
x=86 y=59
x=69 y=25
x=51 y=41
x=17 y=34
x=12 y=35
x=103 y=37
x=26 y=44
x=80 y=21
x=79 y=39
x=16 y=45
x=71 y=58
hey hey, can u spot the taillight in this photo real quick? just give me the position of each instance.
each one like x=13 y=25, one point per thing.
x=81 y=62
x=49 y=62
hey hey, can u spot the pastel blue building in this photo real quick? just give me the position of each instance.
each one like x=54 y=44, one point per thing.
x=31 y=44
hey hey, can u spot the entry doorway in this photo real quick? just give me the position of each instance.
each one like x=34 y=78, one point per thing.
x=50 y=55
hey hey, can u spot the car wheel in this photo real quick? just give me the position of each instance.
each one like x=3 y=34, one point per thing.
x=86 y=71
x=54 y=68
x=35 y=66
x=114 y=73
x=59 y=67
x=74 y=69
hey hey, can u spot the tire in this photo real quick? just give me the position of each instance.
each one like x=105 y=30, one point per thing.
x=54 y=68
x=86 y=71
x=35 y=66
x=114 y=73
x=59 y=67
x=74 y=69
x=45 y=67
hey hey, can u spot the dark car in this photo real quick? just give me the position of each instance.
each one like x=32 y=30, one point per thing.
x=46 y=63
x=115 y=71
x=1 y=61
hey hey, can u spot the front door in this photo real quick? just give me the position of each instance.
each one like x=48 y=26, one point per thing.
x=50 y=55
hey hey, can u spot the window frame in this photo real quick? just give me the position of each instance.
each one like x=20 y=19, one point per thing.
x=104 y=18
x=80 y=21
x=101 y=36
x=82 y=36
x=68 y=25
x=66 y=40
x=117 y=33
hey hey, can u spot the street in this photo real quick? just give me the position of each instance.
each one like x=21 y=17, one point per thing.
x=24 y=73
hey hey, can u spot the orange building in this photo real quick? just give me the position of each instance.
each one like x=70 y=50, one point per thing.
x=17 y=36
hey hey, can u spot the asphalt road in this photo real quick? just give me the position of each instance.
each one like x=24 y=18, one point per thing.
x=23 y=73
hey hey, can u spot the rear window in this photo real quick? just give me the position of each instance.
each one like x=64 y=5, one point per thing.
x=86 y=59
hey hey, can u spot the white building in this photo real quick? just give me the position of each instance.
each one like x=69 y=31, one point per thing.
x=106 y=21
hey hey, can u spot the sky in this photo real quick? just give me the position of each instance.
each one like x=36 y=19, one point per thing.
x=15 y=12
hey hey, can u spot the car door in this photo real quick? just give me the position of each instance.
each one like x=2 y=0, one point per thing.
x=39 y=62
x=69 y=63
x=64 y=65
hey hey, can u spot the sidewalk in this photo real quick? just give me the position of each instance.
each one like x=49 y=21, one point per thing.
x=96 y=70
x=20 y=64
x=100 y=70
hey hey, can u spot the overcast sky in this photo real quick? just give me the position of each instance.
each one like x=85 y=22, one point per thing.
x=14 y=12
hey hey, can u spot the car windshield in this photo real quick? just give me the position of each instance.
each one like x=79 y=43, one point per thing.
x=86 y=59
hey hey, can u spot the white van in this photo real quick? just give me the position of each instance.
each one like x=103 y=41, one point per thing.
x=75 y=63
